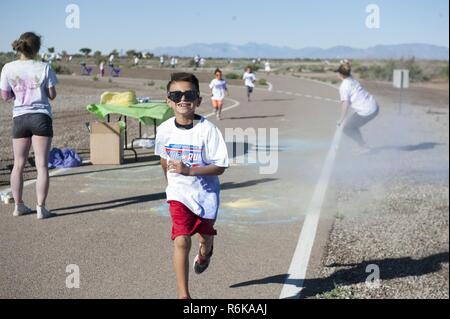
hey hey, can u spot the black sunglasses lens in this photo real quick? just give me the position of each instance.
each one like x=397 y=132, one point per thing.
x=177 y=96
x=190 y=96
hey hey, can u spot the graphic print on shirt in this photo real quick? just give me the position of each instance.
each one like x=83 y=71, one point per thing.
x=24 y=89
x=190 y=155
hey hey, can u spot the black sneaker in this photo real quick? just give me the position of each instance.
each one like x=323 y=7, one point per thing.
x=202 y=263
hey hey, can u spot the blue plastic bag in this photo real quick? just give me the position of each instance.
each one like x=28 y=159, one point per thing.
x=71 y=158
x=55 y=158
x=65 y=158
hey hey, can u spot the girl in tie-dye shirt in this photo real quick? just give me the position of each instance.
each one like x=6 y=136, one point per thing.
x=31 y=84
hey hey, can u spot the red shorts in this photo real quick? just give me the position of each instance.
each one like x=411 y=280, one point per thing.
x=186 y=223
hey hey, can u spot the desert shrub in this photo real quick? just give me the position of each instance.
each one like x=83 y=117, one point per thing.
x=317 y=69
x=191 y=63
x=151 y=83
x=374 y=72
x=232 y=76
x=255 y=67
x=381 y=72
x=6 y=58
x=416 y=73
x=60 y=69
x=262 y=82
x=307 y=69
x=95 y=78
x=443 y=72
x=385 y=71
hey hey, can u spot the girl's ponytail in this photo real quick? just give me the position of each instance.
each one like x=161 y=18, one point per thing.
x=345 y=68
x=28 y=44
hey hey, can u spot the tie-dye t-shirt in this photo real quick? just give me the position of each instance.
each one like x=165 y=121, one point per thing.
x=29 y=81
x=200 y=146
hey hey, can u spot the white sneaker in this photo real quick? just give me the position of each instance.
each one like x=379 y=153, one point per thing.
x=21 y=209
x=42 y=212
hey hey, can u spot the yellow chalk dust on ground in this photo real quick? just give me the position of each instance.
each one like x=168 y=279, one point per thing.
x=246 y=203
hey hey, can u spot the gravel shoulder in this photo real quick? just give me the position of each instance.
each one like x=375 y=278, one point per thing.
x=392 y=211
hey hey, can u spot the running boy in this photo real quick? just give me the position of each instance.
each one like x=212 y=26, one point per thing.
x=249 y=81
x=193 y=155
x=218 y=88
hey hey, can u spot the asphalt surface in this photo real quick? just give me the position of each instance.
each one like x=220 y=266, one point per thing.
x=113 y=222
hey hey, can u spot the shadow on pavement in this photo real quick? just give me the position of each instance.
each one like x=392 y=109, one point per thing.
x=406 y=148
x=253 y=117
x=105 y=205
x=390 y=268
x=105 y=170
x=277 y=100
x=233 y=185
x=117 y=203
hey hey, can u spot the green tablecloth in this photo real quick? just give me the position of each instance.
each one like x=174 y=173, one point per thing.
x=146 y=113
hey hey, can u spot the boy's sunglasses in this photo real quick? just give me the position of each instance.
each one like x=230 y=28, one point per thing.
x=177 y=96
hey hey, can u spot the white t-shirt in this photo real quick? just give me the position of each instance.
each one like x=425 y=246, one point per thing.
x=200 y=146
x=249 y=79
x=29 y=80
x=219 y=87
x=360 y=100
x=267 y=66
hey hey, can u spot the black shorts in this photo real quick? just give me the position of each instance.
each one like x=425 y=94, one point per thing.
x=27 y=125
x=249 y=89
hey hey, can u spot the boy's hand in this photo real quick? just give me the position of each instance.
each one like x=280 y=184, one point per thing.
x=178 y=167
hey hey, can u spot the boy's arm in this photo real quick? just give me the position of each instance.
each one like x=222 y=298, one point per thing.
x=164 y=166
x=180 y=168
x=210 y=170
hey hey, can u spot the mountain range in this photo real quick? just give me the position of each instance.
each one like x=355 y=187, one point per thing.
x=266 y=51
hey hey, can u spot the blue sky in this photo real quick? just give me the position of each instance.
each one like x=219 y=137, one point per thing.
x=140 y=24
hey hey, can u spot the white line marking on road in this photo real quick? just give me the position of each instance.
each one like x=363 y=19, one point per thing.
x=320 y=82
x=270 y=86
x=235 y=104
x=299 y=265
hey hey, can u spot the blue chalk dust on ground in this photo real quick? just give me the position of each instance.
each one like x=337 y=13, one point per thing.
x=292 y=144
x=227 y=215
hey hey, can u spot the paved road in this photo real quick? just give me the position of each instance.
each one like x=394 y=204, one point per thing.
x=113 y=221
